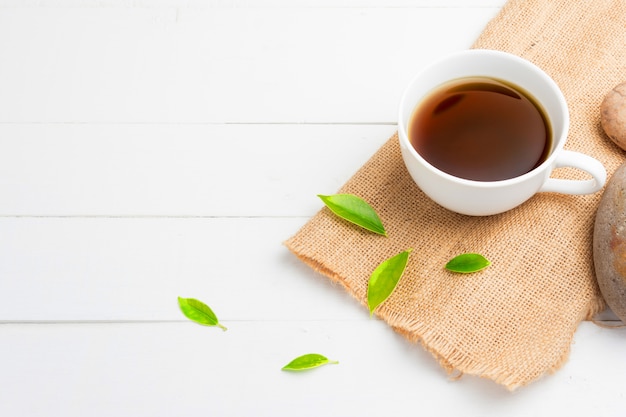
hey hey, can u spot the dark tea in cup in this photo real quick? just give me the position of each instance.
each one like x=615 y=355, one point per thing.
x=481 y=129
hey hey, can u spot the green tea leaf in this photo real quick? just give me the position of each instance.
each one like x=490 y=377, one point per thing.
x=467 y=263
x=308 y=361
x=385 y=278
x=354 y=209
x=199 y=312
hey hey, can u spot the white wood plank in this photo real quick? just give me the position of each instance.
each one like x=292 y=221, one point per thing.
x=220 y=64
x=178 y=170
x=166 y=369
x=135 y=268
x=203 y=4
x=130 y=269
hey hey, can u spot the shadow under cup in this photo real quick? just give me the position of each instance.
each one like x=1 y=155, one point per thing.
x=479 y=197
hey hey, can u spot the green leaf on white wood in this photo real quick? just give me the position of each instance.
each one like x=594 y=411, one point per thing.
x=199 y=312
x=308 y=361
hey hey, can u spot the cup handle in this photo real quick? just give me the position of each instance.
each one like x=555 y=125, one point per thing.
x=582 y=162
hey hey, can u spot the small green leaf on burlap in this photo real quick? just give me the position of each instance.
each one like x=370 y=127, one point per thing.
x=467 y=263
x=385 y=278
x=355 y=210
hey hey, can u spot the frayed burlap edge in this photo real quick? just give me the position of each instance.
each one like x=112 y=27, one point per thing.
x=454 y=362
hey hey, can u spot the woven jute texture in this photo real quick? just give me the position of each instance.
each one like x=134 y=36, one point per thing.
x=514 y=321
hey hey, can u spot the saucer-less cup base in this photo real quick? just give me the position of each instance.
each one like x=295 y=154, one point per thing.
x=481 y=198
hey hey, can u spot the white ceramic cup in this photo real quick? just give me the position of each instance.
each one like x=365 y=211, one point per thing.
x=481 y=198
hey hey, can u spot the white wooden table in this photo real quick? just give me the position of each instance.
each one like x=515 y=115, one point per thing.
x=156 y=149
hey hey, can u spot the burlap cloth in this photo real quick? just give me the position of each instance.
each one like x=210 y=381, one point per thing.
x=514 y=321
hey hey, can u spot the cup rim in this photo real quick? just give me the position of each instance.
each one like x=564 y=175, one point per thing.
x=548 y=162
